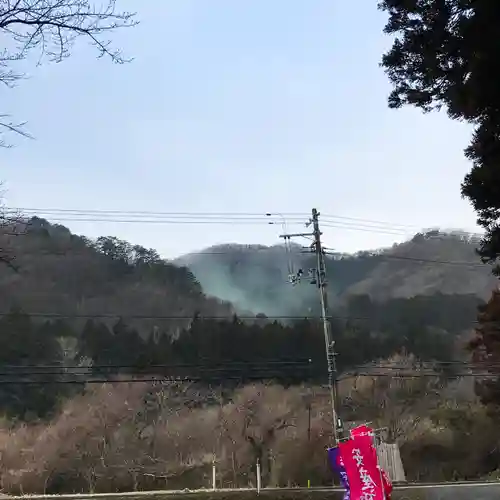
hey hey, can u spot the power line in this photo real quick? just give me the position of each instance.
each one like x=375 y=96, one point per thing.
x=55 y=315
x=258 y=370
x=233 y=221
x=285 y=215
x=223 y=221
x=18 y=210
x=234 y=250
x=221 y=379
x=167 y=218
x=168 y=221
x=328 y=217
x=220 y=220
x=246 y=364
x=215 y=217
x=419 y=375
x=419 y=260
x=369 y=229
x=374 y=255
x=242 y=378
x=145 y=316
x=156 y=373
x=434 y=261
x=429 y=364
x=58 y=370
x=397 y=231
x=165 y=214
x=265 y=363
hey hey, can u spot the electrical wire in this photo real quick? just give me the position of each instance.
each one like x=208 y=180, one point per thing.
x=432 y=363
x=157 y=370
x=158 y=317
x=221 y=379
x=148 y=213
x=262 y=370
x=382 y=256
x=330 y=217
x=55 y=315
x=169 y=221
x=343 y=222
x=434 y=261
x=416 y=375
x=17 y=210
x=231 y=365
x=245 y=364
x=204 y=372
x=288 y=251
x=241 y=378
x=369 y=229
x=288 y=248
x=246 y=371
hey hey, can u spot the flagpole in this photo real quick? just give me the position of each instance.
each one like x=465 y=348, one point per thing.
x=374 y=441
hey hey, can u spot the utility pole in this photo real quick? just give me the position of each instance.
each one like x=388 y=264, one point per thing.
x=318 y=277
x=321 y=282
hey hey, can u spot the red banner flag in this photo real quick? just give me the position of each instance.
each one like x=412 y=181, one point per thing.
x=386 y=481
x=360 y=463
x=362 y=430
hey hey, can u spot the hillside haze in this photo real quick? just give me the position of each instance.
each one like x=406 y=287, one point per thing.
x=254 y=277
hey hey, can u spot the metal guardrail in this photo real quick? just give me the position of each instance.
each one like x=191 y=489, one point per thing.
x=207 y=491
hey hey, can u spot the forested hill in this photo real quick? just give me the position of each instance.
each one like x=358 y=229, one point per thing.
x=60 y=273
x=106 y=303
x=255 y=277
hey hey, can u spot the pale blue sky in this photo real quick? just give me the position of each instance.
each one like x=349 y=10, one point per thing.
x=235 y=105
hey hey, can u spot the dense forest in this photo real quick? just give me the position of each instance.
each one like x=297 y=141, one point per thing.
x=106 y=308
x=234 y=351
x=105 y=339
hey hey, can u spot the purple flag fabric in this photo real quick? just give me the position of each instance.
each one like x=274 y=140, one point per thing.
x=338 y=466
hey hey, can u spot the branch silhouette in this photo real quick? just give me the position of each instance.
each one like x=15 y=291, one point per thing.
x=51 y=27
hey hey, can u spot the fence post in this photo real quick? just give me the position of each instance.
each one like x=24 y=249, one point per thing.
x=214 y=476
x=258 y=477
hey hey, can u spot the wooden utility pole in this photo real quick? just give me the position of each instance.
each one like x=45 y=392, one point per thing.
x=321 y=283
x=319 y=279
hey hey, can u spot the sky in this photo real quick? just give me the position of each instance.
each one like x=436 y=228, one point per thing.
x=231 y=106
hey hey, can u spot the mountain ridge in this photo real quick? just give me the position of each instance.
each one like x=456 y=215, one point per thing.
x=63 y=274
x=73 y=276
x=255 y=277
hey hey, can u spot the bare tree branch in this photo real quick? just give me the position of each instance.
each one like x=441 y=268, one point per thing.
x=51 y=27
x=9 y=126
x=11 y=226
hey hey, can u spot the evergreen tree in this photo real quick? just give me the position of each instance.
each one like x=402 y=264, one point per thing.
x=128 y=349
x=96 y=343
x=31 y=367
x=485 y=348
x=445 y=54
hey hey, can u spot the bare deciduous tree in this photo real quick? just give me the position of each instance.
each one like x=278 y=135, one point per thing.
x=50 y=28
x=393 y=397
x=258 y=414
x=12 y=225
